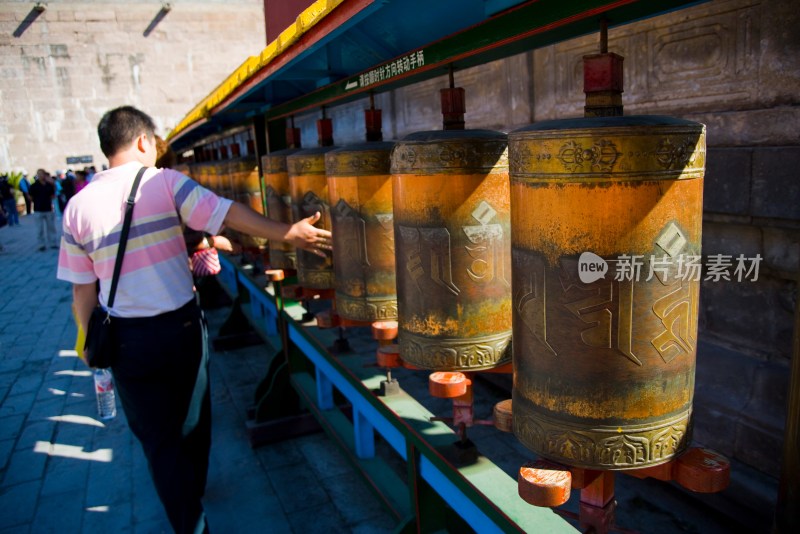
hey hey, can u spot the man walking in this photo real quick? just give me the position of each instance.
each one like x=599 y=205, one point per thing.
x=161 y=367
x=43 y=191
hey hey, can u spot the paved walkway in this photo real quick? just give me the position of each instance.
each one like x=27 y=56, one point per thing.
x=64 y=470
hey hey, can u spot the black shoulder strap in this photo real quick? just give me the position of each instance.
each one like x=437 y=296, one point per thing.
x=123 y=238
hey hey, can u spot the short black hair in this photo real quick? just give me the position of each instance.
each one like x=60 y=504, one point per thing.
x=120 y=126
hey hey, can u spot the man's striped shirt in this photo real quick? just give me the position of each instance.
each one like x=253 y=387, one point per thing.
x=155 y=274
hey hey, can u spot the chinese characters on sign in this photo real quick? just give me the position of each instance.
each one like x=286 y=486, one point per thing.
x=688 y=268
x=399 y=66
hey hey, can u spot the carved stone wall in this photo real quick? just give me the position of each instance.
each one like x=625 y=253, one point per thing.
x=62 y=69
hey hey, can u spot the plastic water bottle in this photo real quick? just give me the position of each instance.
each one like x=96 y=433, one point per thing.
x=106 y=399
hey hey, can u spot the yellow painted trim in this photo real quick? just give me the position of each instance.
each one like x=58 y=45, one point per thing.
x=304 y=22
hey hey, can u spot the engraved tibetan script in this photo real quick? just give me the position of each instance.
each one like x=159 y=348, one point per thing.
x=529 y=297
x=351 y=231
x=386 y=222
x=605 y=305
x=677 y=309
x=488 y=252
x=311 y=204
x=436 y=243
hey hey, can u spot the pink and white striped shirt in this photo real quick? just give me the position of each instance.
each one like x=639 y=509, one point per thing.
x=155 y=275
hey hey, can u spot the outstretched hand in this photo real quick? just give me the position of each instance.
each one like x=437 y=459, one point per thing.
x=303 y=234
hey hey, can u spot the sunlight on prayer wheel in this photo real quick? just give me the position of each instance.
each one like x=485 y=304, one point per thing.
x=360 y=188
x=452 y=248
x=282 y=255
x=247 y=190
x=210 y=176
x=606 y=217
x=309 y=189
x=251 y=186
x=201 y=174
x=225 y=170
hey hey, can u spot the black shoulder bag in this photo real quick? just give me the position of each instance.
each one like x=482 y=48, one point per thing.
x=101 y=347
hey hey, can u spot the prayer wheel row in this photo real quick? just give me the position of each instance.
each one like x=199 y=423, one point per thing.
x=571 y=234
x=236 y=179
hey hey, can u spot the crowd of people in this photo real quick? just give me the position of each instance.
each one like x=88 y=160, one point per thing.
x=45 y=197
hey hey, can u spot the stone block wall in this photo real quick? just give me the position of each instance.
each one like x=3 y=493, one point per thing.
x=733 y=65
x=62 y=69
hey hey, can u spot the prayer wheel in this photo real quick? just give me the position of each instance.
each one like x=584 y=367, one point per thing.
x=249 y=184
x=227 y=179
x=606 y=217
x=452 y=247
x=246 y=189
x=308 y=185
x=360 y=189
x=279 y=204
x=208 y=170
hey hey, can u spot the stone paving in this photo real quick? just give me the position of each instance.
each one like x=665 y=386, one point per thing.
x=64 y=470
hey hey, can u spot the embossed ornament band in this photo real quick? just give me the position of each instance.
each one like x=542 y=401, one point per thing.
x=359 y=160
x=470 y=354
x=608 y=148
x=610 y=447
x=308 y=161
x=459 y=152
x=275 y=162
x=366 y=309
x=315 y=279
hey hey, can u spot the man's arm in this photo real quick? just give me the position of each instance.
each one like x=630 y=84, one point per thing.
x=301 y=234
x=84 y=298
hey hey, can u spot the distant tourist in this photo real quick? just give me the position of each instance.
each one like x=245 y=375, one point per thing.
x=24 y=188
x=80 y=181
x=43 y=191
x=8 y=201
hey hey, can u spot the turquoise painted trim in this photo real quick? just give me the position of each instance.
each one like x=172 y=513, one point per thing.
x=227 y=277
x=391 y=434
x=486 y=491
x=486 y=495
x=389 y=486
x=364 y=435
x=262 y=305
x=457 y=500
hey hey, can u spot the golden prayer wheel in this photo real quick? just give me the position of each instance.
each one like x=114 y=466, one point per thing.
x=309 y=189
x=199 y=174
x=606 y=228
x=246 y=189
x=279 y=204
x=251 y=186
x=452 y=240
x=360 y=189
x=225 y=177
x=246 y=182
x=212 y=174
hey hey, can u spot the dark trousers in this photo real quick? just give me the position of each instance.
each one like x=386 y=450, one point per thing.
x=162 y=381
